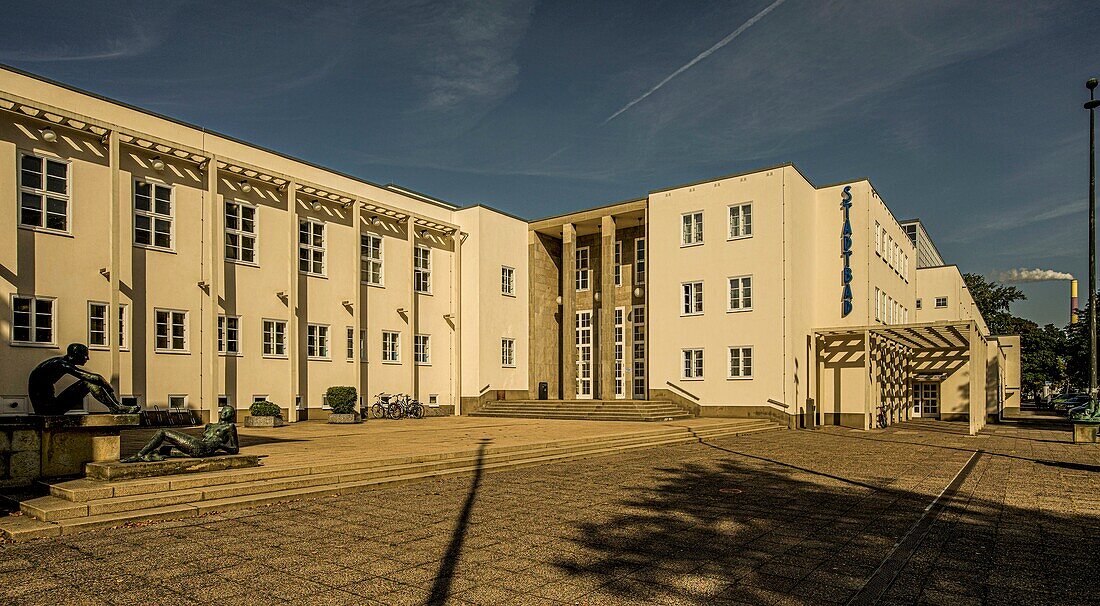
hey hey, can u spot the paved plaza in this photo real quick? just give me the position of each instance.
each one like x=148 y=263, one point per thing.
x=782 y=517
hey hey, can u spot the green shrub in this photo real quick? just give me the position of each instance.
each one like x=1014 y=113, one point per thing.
x=341 y=399
x=265 y=409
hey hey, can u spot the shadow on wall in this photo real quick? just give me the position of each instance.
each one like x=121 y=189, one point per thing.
x=757 y=531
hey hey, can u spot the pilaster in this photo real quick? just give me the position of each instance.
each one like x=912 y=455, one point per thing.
x=293 y=354
x=568 y=312
x=606 y=306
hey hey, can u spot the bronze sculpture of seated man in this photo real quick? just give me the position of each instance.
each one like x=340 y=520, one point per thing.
x=216 y=438
x=45 y=375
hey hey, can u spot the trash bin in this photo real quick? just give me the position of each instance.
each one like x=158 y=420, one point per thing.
x=544 y=390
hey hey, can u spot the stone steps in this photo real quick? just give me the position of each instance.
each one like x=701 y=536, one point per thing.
x=79 y=505
x=591 y=410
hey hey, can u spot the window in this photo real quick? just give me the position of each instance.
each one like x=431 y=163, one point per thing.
x=422 y=269
x=317 y=341
x=582 y=269
x=878 y=239
x=98 y=335
x=43 y=193
x=740 y=221
x=878 y=305
x=693 y=298
x=883 y=240
x=274 y=338
x=177 y=402
x=391 y=347
x=508 y=281
x=941 y=302
x=171 y=330
x=740 y=363
x=351 y=344
x=153 y=215
x=638 y=343
x=311 y=247
x=422 y=349
x=240 y=232
x=639 y=261
x=229 y=335
x=740 y=293
x=32 y=320
x=693 y=364
x=618 y=263
x=370 y=259
x=918 y=304
x=692 y=232
x=508 y=353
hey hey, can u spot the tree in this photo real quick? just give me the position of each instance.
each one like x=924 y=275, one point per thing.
x=993 y=300
x=1077 y=351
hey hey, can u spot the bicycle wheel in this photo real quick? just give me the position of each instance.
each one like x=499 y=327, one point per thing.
x=394 y=411
x=416 y=410
x=377 y=411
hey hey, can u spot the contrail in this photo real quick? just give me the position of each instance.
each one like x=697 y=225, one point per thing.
x=1033 y=275
x=703 y=55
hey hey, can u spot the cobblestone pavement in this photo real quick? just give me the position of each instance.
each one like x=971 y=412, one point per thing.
x=785 y=517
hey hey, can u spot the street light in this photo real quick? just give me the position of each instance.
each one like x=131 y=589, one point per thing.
x=1093 y=411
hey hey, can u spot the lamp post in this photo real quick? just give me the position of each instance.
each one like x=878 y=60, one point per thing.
x=1093 y=410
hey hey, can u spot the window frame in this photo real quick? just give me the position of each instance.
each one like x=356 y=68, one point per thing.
x=223 y=336
x=34 y=324
x=241 y=233
x=123 y=341
x=43 y=193
x=618 y=263
x=739 y=208
x=510 y=282
x=507 y=351
x=740 y=289
x=152 y=215
x=697 y=228
x=186 y=331
x=427 y=340
x=274 y=342
x=380 y=261
x=698 y=364
x=425 y=271
x=322 y=342
x=640 y=261
x=350 y=344
x=690 y=299
x=586 y=272
x=309 y=246
x=395 y=354
x=741 y=349
x=946 y=303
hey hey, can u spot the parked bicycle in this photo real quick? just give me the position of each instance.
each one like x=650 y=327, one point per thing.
x=396 y=406
x=382 y=402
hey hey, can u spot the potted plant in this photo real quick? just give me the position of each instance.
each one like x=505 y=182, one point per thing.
x=342 y=402
x=264 y=414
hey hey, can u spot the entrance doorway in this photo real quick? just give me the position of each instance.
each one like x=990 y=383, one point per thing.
x=584 y=355
x=926 y=399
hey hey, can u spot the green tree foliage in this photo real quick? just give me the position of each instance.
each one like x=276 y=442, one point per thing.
x=1077 y=351
x=994 y=300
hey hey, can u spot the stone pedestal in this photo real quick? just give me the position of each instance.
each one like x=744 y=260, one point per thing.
x=35 y=447
x=110 y=471
x=1085 y=433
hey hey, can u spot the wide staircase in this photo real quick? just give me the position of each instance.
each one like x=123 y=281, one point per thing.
x=78 y=505
x=587 y=410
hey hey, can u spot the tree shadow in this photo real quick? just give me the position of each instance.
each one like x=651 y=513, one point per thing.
x=754 y=530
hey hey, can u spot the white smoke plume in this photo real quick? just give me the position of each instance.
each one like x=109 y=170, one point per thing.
x=1032 y=275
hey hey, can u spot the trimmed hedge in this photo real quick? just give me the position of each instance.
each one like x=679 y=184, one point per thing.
x=341 y=399
x=265 y=409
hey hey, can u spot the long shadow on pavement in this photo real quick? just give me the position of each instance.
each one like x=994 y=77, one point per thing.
x=441 y=587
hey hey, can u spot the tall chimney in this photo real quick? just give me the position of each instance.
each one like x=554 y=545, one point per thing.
x=1073 y=315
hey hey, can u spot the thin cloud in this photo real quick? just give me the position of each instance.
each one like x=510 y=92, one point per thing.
x=703 y=55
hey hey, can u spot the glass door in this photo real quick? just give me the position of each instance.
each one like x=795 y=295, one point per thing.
x=584 y=355
x=926 y=397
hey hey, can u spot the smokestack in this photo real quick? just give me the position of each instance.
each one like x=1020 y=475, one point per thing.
x=1073 y=315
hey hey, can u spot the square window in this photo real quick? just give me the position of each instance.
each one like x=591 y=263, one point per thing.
x=692 y=364
x=32 y=320
x=692 y=232
x=171 y=330
x=740 y=291
x=317 y=342
x=740 y=363
x=43 y=193
x=740 y=221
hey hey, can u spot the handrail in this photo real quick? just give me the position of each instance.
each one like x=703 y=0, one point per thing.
x=778 y=403
x=682 y=390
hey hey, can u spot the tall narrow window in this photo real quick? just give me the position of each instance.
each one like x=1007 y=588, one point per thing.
x=98 y=335
x=32 y=320
x=740 y=221
x=878 y=239
x=153 y=215
x=351 y=344
x=618 y=263
x=422 y=349
x=240 y=232
x=422 y=269
x=229 y=335
x=638 y=346
x=370 y=259
x=878 y=306
x=317 y=341
x=693 y=364
x=693 y=298
x=692 y=232
x=508 y=281
x=391 y=347
x=740 y=363
x=171 y=330
x=43 y=193
x=639 y=261
x=740 y=293
x=583 y=267
x=918 y=304
x=311 y=247
x=508 y=353
x=274 y=338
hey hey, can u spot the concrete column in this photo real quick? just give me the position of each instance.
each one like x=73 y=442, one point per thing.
x=410 y=355
x=606 y=367
x=357 y=301
x=568 y=312
x=976 y=399
x=456 y=321
x=215 y=264
x=869 y=411
x=292 y=299
x=116 y=263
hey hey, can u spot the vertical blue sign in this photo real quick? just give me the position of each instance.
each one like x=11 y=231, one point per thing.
x=846 y=251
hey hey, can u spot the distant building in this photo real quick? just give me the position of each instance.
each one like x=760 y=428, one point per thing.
x=927 y=254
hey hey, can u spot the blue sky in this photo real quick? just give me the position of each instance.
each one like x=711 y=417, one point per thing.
x=964 y=114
